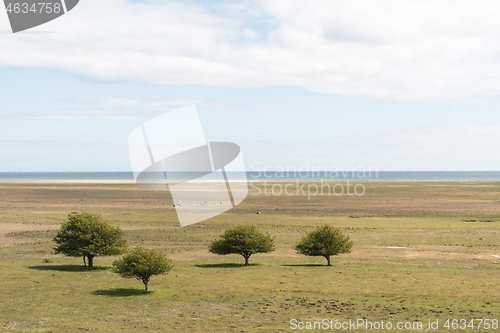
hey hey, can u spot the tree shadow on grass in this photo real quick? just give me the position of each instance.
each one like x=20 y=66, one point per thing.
x=67 y=268
x=225 y=265
x=121 y=292
x=306 y=265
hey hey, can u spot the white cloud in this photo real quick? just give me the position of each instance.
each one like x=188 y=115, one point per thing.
x=113 y=108
x=125 y=103
x=76 y=114
x=390 y=49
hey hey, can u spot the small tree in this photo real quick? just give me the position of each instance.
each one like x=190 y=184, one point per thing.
x=141 y=264
x=244 y=240
x=324 y=241
x=89 y=235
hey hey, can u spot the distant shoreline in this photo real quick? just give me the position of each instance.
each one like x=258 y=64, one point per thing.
x=261 y=176
x=288 y=181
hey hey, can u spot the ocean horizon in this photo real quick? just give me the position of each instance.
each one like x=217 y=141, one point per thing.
x=276 y=176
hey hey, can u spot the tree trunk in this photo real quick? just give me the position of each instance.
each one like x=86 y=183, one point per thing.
x=328 y=260
x=246 y=260
x=84 y=262
x=146 y=286
x=91 y=262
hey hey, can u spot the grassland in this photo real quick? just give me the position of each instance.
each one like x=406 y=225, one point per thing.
x=423 y=250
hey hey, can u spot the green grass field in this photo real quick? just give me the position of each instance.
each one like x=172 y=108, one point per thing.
x=422 y=251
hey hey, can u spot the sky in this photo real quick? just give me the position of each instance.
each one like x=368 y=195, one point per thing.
x=393 y=85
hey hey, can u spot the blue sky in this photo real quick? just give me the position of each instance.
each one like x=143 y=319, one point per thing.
x=399 y=86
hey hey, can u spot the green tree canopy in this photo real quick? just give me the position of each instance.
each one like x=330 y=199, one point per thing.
x=324 y=241
x=244 y=240
x=88 y=235
x=141 y=264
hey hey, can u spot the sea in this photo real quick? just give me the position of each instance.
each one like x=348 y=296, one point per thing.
x=274 y=176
